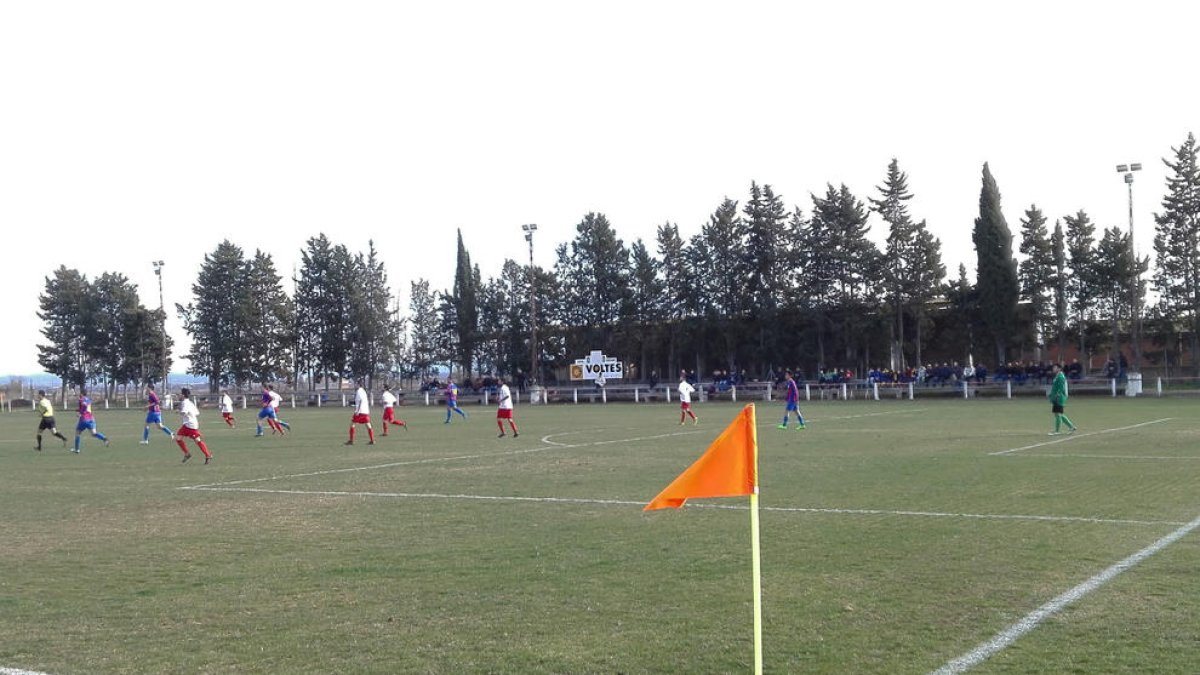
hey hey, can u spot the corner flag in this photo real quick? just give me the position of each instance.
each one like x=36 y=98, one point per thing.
x=729 y=468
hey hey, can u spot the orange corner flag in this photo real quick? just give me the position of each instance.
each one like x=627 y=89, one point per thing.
x=729 y=468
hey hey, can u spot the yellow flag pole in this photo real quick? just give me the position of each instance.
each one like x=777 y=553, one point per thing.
x=755 y=553
x=756 y=558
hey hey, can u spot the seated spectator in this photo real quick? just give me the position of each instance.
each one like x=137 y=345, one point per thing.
x=1075 y=370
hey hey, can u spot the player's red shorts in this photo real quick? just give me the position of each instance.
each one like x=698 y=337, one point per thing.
x=389 y=414
x=504 y=414
x=684 y=405
x=360 y=419
x=188 y=432
x=227 y=416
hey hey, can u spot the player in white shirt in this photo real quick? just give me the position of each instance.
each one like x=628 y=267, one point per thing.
x=505 y=409
x=276 y=399
x=362 y=414
x=389 y=410
x=227 y=409
x=189 y=426
x=685 y=399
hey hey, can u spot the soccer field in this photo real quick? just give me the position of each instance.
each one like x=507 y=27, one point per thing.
x=897 y=537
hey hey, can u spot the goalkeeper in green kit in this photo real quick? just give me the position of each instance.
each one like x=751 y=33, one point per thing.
x=1058 y=402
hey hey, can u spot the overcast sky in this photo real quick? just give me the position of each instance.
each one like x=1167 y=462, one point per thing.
x=132 y=132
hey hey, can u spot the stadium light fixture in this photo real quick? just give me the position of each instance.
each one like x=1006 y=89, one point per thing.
x=529 y=229
x=162 y=308
x=1135 y=328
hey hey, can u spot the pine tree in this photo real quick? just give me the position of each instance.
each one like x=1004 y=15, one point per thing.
x=1082 y=284
x=423 y=318
x=681 y=296
x=1116 y=271
x=646 y=300
x=1177 y=244
x=266 y=322
x=997 y=287
x=927 y=274
x=214 y=320
x=371 y=328
x=963 y=301
x=765 y=219
x=847 y=263
x=1059 y=250
x=594 y=270
x=677 y=272
x=720 y=250
x=112 y=344
x=325 y=292
x=815 y=243
x=1037 y=271
x=913 y=270
x=64 y=308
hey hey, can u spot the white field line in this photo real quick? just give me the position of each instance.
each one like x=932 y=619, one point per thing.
x=551 y=445
x=434 y=460
x=877 y=414
x=627 y=502
x=1147 y=457
x=18 y=671
x=1072 y=437
x=1009 y=635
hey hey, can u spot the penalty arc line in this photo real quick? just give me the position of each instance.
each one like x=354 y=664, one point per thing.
x=18 y=671
x=1009 y=635
x=1075 y=436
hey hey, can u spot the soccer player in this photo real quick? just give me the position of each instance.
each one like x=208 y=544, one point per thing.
x=792 y=402
x=389 y=410
x=276 y=399
x=452 y=400
x=47 y=420
x=362 y=415
x=685 y=399
x=87 y=422
x=504 y=411
x=267 y=412
x=189 y=426
x=227 y=409
x=153 y=416
x=1058 y=402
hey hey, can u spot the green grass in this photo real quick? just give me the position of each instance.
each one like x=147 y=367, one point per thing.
x=107 y=566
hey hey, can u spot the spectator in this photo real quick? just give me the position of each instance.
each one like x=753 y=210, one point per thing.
x=1075 y=370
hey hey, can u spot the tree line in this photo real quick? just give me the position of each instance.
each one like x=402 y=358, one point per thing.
x=760 y=287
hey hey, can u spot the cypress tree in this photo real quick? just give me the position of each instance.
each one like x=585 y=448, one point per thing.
x=466 y=307
x=997 y=287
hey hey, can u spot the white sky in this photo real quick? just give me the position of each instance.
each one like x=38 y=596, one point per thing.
x=131 y=132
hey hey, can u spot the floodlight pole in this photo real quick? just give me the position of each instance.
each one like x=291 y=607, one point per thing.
x=529 y=229
x=1135 y=329
x=162 y=308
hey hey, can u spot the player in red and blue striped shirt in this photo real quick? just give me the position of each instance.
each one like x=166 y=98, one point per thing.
x=792 y=402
